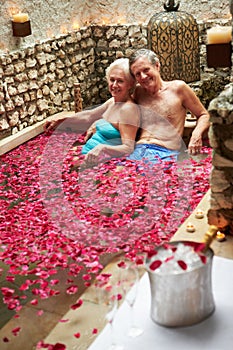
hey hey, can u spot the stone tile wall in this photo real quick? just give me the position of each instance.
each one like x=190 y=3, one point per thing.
x=37 y=81
x=221 y=140
x=51 y=18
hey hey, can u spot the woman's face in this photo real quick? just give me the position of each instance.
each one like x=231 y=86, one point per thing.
x=118 y=84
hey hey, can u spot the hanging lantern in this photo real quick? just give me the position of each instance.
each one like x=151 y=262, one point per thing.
x=174 y=36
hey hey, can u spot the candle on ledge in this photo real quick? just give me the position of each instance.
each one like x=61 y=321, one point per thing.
x=220 y=236
x=199 y=214
x=20 y=17
x=21 y=25
x=190 y=227
x=76 y=25
x=219 y=35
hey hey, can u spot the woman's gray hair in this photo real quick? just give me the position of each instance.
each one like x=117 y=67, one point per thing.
x=150 y=55
x=122 y=63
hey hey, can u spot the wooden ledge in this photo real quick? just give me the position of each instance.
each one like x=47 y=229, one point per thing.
x=10 y=142
x=223 y=249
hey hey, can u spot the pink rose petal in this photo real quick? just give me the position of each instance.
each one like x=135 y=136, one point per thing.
x=77 y=335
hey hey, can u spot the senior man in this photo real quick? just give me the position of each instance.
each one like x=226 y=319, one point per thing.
x=164 y=105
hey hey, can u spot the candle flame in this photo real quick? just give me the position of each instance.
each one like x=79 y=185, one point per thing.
x=50 y=33
x=63 y=29
x=3 y=47
x=75 y=25
x=13 y=11
x=229 y=16
x=105 y=21
x=220 y=236
x=121 y=20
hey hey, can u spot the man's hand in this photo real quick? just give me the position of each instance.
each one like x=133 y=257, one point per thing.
x=195 y=145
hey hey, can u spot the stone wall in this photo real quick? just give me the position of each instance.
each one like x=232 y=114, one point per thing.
x=221 y=140
x=52 y=18
x=37 y=81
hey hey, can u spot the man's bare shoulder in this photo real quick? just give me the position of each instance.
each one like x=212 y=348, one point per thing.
x=179 y=88
x=176 y=84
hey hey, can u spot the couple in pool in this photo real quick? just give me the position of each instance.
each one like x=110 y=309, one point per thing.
x=144 y=118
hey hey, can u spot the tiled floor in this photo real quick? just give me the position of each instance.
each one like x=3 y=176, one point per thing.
x=34 y=327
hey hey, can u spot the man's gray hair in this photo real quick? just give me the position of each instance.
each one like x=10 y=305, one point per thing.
x=150 y=55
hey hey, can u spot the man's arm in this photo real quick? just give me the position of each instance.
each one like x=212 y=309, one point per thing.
x=192 y=103
x=195 y=143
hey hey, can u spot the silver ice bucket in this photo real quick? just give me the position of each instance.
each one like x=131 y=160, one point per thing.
x=181 y=296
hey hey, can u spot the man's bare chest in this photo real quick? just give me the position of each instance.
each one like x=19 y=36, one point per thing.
x=167 y=106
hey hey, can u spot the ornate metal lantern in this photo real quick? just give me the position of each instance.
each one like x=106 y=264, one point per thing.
x=174 y=36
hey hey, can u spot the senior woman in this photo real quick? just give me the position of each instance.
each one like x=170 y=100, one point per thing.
x=114 y=123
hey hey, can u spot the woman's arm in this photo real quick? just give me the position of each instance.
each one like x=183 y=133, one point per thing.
x=79 y=122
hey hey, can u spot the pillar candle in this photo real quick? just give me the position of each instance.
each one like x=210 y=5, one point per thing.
x=219 y=35
x=20 y=17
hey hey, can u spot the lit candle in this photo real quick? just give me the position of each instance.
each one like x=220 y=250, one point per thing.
x=75 y=25
x=190 y=227
x=220 y=236
x=199 y=214
x=219 y=35
x=20 y=17
x=63 y=29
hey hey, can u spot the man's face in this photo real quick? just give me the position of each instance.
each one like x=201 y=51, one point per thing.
x=146 y=74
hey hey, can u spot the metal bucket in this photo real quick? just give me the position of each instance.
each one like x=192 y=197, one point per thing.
x=182 y=298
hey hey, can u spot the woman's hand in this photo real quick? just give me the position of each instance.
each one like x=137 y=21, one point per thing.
x=51 y=125
x=90 y=132
x=93 y=156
